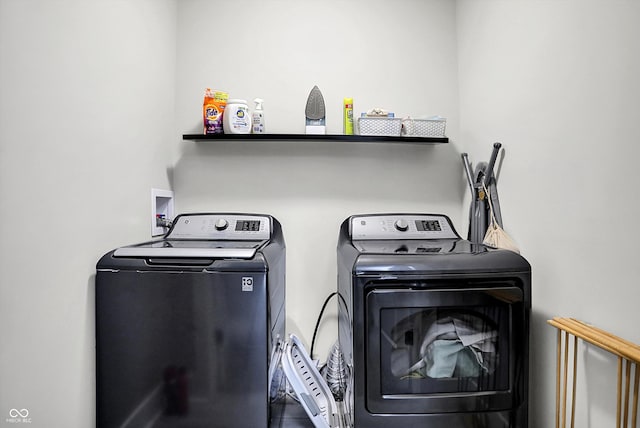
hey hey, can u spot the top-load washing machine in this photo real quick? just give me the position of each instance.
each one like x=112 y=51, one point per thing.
x=434 y=329
x=186 y=324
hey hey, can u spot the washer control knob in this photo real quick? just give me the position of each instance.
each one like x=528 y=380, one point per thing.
x=402 y=225
x=222 y=224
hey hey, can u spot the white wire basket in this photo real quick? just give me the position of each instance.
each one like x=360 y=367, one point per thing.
x=385 y=126
x=423 y=127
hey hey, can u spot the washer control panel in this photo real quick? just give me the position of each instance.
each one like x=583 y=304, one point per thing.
x=236 y=227
x=402 y=226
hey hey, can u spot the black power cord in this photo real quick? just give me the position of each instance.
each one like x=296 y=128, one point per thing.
x=315 y=330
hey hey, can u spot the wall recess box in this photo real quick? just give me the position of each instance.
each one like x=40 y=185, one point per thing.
x=161 y=208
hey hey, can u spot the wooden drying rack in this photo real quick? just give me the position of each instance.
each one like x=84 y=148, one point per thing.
x=627 y=352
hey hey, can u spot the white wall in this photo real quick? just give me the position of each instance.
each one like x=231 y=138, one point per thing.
x=396 y=55
x=86 y=123
x=557 y=83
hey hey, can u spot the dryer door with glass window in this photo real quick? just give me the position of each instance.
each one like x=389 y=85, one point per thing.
x=438 y=348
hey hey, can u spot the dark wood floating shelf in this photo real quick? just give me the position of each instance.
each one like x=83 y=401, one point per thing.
x=312 y=137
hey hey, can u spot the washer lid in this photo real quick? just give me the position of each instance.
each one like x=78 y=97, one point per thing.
x=171 y=248
x=207 y=235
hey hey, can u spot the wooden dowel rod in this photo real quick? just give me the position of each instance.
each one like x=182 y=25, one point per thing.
x=627 y=349
x=575 y=374
x=558 y=364
x=636 y=385
x=611 y=335
x=564 y=381
x=562 y=327
x=596 y=337
x=619 y=402
x=627 y=380
x=605 y=341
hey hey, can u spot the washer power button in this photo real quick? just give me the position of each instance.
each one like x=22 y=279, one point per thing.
x=222 y=224
x=402 y=225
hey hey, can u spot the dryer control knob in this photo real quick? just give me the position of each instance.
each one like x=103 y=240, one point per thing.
x=402 y=225
x=222 y=224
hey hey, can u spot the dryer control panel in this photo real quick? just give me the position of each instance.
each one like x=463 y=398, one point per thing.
x=235 y=227
x=402 y=226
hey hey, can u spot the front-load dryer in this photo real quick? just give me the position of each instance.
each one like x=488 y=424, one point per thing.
x=186 y=324
x=434 y=329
